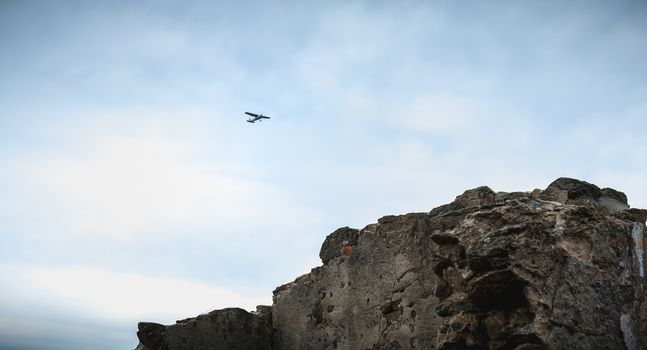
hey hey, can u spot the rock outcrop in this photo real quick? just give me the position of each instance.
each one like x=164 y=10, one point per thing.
x=552 y=269
x=225 y=329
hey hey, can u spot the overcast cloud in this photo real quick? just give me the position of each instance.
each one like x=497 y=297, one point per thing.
x=131 y=188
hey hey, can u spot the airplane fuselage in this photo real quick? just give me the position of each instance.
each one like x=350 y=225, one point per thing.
x=256 y=117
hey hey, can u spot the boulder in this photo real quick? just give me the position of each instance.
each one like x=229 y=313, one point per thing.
x=334 y=243
x=566 y=190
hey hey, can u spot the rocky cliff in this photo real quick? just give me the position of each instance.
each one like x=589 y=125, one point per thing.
x=552 y=269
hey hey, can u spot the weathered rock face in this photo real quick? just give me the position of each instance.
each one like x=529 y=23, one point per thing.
x=377 y=296
x=218 y=330
x=552 y=269
x=538 y=274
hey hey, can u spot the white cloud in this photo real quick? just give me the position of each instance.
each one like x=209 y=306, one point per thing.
x=43 y=307
x=434 y=113
x=106 y=295
x=126 y=184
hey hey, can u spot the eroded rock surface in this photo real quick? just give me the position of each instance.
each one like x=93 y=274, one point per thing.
x=374 y=297
x=218 y=330
x=554 y=269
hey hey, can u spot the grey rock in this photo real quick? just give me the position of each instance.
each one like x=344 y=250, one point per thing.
x=613 y=200
x=473 y=198
x=548 y=273
x=334 y=242
x=617 y=195
x=225 y=329
x=552 y=269
x=476 y=197
x=371 y=299
x=612 y=204
x=566 y=190
x=503 y=197
x=141 y=346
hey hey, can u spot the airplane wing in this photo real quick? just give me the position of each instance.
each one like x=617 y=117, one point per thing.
x=266 y=117
x=252 y=114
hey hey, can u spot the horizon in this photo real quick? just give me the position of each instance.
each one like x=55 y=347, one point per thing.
x=133 y=189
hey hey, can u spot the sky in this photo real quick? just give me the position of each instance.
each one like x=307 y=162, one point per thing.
x=132 y=189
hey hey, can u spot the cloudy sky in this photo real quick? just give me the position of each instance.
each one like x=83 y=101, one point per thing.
x=131 y=187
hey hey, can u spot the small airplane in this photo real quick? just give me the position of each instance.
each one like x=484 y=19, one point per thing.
x=256 y=117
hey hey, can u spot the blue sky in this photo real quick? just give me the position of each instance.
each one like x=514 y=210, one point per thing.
x=132 y=189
